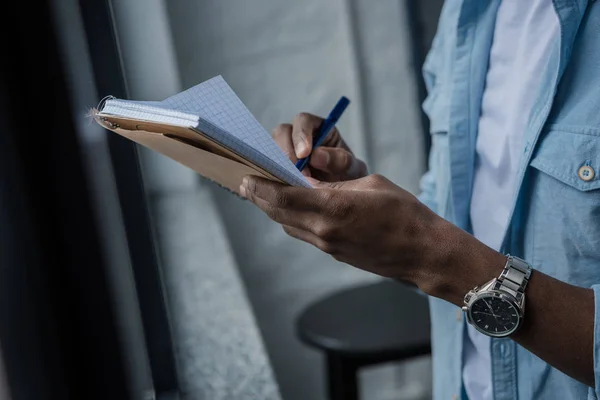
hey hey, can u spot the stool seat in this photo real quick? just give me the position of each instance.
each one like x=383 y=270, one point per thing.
x=365 y=325
x=369 y=320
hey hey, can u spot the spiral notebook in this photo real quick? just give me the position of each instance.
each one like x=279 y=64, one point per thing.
x=206 y=128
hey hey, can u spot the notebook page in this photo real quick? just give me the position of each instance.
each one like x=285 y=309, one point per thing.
x=221 y=111
x=154 y=111
x=214 y=108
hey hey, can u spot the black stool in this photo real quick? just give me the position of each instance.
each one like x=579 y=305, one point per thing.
x=363 y=326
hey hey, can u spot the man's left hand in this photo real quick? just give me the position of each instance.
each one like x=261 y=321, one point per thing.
x=369 y=223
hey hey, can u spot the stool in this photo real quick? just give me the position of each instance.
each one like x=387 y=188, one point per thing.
x=362 y=326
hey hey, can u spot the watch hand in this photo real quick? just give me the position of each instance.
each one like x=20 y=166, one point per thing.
x=483 y=312
x=490 y=307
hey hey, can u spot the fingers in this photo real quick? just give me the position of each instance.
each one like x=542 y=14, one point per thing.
x=310 y=210
x=281 y=215
x=277 y=194
x=296 y=141
x=282 y=135
x=299 y=207
x=303 y=129
x=309 y=237
x=337 y=162
x=284 y=204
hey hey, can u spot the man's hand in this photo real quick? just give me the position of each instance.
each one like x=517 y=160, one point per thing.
x=369 y=223
x=333 y=161
x=374 y=225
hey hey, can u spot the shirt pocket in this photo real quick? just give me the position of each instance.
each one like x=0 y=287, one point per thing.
x=570 y=155
x=563 y=230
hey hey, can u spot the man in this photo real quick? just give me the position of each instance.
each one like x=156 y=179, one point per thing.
x=514 y=104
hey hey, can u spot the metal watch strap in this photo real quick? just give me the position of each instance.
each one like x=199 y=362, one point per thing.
x=514 y=277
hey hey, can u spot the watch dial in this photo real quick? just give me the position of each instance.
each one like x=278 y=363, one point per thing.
x=494 y=315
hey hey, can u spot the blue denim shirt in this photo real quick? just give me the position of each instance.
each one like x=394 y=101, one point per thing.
x=555 y=222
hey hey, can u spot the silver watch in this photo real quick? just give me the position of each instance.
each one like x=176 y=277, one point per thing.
x=496 y=309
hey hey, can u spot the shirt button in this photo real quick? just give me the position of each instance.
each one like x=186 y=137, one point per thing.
x=459 y=315
x=454 y=397
x=586 y=173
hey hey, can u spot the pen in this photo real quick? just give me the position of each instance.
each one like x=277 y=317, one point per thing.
x=325 y=128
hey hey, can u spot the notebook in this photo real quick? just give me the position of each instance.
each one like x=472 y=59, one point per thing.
x=206 y=128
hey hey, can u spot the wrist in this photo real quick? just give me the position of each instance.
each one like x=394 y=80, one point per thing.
x=459 y=262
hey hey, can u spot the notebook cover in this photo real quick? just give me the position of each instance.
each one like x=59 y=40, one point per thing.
x=189 y=147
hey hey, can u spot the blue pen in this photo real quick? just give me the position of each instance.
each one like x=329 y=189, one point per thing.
x=325 y=128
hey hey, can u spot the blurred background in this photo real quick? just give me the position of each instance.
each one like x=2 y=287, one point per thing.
x=125 y=274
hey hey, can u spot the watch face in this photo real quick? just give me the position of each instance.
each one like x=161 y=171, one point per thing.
x=494 y=315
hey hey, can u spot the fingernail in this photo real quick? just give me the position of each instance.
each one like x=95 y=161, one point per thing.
x=300 y=147
x=320 y=159
x=243 y=187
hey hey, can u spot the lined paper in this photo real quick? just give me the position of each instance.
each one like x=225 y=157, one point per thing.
x=216 y=103
x=214 y=108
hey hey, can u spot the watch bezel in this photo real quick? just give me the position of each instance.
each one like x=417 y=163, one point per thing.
x=495 y=294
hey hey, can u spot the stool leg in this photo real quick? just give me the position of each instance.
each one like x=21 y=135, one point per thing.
x=342 y=378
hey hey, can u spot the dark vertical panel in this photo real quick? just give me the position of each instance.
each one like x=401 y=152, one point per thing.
x=104 y=51
x=22 y=321
x=57 y=327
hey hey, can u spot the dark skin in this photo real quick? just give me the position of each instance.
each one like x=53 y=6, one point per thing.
x=370 y=223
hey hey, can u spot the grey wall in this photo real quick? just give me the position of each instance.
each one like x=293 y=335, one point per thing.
x=152 y=74
x=219 y=351
x=283 y=57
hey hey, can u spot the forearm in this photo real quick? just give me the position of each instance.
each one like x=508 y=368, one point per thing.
x=559 y=318
x=559 y=326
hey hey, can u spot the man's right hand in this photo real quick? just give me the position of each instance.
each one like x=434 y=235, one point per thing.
x=333 y=161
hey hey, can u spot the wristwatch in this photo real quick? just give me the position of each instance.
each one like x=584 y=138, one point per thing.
x=496 y=309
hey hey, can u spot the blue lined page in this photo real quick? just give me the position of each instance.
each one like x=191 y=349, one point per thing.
x=217 y=106
x=214 y=108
